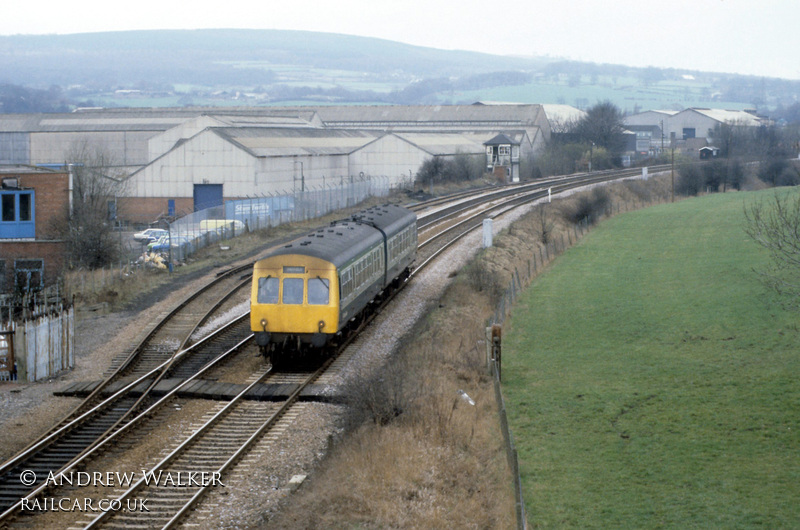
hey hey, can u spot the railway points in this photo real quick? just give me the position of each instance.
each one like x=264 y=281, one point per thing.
x=211 y=390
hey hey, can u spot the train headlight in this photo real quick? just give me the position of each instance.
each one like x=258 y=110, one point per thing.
x=264 y=324
x=321 y=324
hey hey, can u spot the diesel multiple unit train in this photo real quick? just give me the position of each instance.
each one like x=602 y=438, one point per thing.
x=315 y=289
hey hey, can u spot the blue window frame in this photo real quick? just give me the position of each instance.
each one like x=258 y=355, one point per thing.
x=17 y=214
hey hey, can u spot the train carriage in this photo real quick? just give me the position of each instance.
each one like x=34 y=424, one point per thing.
x=310 y=290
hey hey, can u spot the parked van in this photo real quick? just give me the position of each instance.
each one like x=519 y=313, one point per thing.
x=218 y=225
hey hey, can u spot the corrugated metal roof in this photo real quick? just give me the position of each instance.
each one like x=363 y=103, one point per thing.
x=264 y=141
x=664 y=112
x=738 y=117
x=26 y=170
x=430 y=114
x=264 y=121
x=445 y=144
x=563 y=113
x=107 y=124
x=147 y=119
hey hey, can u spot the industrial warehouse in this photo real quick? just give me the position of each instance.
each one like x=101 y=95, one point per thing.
x=169 y=161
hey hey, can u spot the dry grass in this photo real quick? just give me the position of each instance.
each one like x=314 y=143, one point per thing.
x=440 y=462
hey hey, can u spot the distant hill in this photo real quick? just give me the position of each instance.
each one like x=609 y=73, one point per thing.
x=273 y=67
x=217 y=56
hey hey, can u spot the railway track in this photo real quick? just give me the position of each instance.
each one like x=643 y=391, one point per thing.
x=459 y=219
x=213 y=448
x=98 y=417
x=220 y=346
x=230 y=422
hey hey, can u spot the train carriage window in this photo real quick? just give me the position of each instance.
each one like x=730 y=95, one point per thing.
x=293 y=290
x=346 y=284
x=268 y=290
x=318 y=291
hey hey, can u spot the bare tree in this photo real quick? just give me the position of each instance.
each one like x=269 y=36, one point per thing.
x=543 y=225
x=776 y=227
x=562 y=125
x=90 y=231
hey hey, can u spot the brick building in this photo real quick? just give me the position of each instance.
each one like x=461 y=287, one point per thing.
x=34 y=205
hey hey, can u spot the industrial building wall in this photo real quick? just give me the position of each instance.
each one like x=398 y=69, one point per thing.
x=145 y=211
x=163 y=142
x=126 y=148
x=290 y=174
x=51 y=207
x=50 y=252
x=388 y=156
x=703 y=125
x=14 y=148
x=647 y=118
x=52 y=201
x=206 y=159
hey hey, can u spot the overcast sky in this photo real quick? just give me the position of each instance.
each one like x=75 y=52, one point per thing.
x=739 y=36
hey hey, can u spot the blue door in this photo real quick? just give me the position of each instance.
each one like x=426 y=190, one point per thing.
x=207 y=196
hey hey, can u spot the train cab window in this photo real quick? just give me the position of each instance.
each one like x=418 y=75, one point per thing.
x=293 y=290
x=268 y=290
x=318 y=291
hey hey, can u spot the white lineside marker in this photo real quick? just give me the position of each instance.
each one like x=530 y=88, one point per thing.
x=487 y=233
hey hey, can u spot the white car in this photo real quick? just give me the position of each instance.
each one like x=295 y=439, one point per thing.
x=149 y=235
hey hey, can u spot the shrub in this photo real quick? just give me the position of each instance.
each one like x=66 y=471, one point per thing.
x=770 y=171
x=736 y=176
x=588 y=208
x=690 y=180
x=378 y=397
x=482 y=278
x=714 y=174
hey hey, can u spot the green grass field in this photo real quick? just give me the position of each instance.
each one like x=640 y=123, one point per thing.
x=651 y=380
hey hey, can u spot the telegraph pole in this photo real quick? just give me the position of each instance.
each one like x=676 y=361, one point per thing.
x=673 y=174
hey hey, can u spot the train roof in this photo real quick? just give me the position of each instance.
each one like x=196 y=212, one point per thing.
x=346 y=239
x=390 y=218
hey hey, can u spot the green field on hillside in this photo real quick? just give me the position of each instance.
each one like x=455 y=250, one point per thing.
x=628 y=94
x=651 y=381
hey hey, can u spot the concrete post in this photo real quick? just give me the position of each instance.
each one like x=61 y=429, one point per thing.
x=487 y=233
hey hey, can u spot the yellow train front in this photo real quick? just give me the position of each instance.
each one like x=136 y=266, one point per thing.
x=313 y=290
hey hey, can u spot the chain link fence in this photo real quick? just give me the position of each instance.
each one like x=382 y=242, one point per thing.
x=212 y=225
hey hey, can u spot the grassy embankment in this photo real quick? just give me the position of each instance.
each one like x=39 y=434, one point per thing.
x=651 y=380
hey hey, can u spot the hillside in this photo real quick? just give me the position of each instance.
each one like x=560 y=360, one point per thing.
x=258 y=67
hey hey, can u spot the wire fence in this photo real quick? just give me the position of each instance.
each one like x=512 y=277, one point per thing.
x=235 y=217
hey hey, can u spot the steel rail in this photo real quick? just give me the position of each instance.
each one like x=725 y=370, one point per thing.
x=506 y=207
x=100 y=443
x=160 y=376
x=68 y=421
x=268 y=424
x=518 y=188
x=184 y=344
